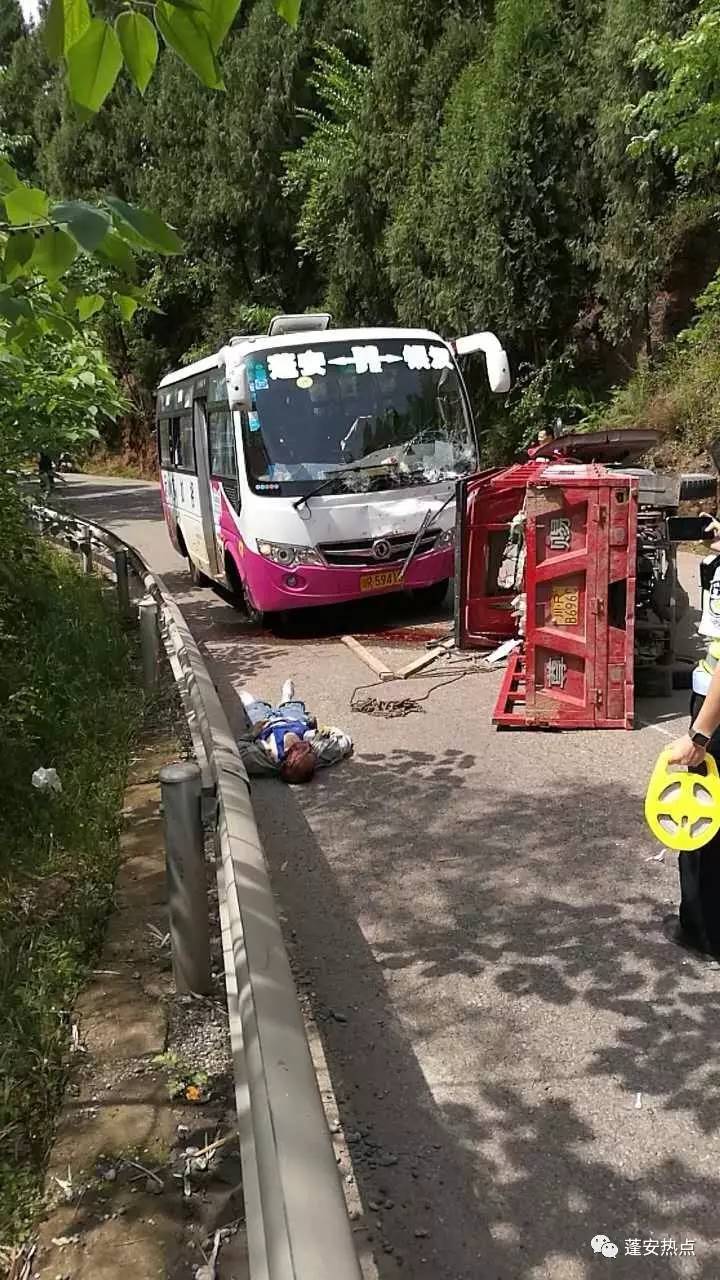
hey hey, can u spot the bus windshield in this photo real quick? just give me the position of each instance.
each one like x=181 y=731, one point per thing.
x=344 y=407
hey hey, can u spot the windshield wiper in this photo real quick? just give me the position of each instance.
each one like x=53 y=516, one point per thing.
x=337 y=475
x=426 y=522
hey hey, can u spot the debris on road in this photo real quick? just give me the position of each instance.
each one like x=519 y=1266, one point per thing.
x=455 y=667
x=419 y=664
x=368 y=658
x=502 y=653
x=371 y=706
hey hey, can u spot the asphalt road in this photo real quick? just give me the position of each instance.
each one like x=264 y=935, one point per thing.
x=522 y=1059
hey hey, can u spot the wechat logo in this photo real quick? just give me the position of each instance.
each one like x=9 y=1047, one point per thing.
x=605 y=1246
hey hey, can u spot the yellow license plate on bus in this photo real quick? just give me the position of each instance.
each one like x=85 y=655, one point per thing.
x=375 y=581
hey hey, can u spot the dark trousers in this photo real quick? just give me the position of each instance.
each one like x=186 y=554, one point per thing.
x=700 y=876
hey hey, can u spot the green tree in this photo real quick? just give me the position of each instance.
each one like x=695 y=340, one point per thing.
x=496 y=228
x=429 y=163
x=12 y=28
x=340 y=220
x=682 y=114
x=58 y=398
x=639 y=194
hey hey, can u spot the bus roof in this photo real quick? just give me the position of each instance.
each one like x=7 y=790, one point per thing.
x=241 y=345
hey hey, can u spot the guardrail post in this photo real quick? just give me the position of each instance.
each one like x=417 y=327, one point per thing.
x=180 y=788
x=149 y=641
x=123 y=586
x=86 y=556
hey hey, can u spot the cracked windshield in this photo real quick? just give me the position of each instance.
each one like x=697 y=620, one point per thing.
x=387 y=415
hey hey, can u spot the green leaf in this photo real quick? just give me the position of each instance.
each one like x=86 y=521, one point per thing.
x=54 y=252
x=143 y=228
x=126 y=306
x=54 y=30
x=88 y=304
x=139 y=42
x=198 y=6
x=18 y=250
x=187 y=32
x=289 y=10
x=66 y=22
x=93 y=64
x=57 y=323
x=12 y=308
x=220 y=15
x=23 y=331
x=114 y=250
x=25 y=204
x=85 y=222
x=8 y=177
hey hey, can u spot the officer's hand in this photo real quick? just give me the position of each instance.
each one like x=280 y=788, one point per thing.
x=685 y=751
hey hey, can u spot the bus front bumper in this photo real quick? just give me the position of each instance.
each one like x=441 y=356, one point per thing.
x=274 y=587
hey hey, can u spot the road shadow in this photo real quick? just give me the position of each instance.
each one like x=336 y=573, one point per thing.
x=396 y=616
x=94 y=501
x=509 y=1166
x=235 y=649
x=663 y=711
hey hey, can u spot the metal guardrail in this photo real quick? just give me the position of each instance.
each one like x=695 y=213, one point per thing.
x=297 y=1222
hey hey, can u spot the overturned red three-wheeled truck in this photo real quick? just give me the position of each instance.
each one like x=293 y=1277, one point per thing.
x=573 y=553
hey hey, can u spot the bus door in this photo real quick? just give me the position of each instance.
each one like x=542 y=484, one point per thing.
x=203 y=475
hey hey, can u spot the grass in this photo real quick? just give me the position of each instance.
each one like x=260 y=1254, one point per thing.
x=137 y=467
x=678 y=398
x=67 y=700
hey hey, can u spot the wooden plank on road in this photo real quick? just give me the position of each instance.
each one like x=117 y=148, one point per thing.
x=368 y=658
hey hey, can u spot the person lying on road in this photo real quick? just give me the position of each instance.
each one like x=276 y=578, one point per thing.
x=286 y=739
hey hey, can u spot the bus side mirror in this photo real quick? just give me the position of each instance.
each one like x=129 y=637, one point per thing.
x=498 y=365
x=238 y=386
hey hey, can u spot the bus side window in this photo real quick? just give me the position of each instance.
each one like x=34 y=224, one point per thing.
x=184 y=443
x=221 y=439
x=164 y=443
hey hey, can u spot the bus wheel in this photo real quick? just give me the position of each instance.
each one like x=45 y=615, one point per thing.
x=197 y=577
x=431 y=597
x=256 y=616
x=239 y=596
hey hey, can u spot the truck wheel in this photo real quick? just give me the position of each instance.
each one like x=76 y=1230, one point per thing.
x=694 y=486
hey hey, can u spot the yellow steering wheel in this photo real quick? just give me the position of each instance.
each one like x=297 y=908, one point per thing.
x=681 y=808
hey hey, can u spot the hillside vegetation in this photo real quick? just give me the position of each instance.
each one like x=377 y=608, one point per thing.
x=446 y=162
x=67 y=702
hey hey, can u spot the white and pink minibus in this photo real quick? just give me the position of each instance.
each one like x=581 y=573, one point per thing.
x=314 y=466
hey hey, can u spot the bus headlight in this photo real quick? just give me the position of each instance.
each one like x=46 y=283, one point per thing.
x=285 y=554
x=445 y=539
